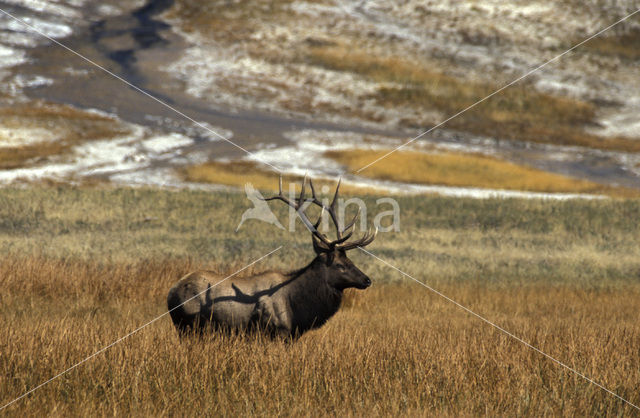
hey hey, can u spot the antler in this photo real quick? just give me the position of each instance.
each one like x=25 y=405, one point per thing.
x=298 y=205
x=341 y=238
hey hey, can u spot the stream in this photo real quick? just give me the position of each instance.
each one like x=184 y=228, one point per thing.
x=134 y=46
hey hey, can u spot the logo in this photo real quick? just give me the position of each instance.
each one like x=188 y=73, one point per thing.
x=260 y=209
x=384 y=220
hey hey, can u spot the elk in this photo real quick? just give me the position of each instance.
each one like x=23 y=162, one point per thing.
x=276 y=303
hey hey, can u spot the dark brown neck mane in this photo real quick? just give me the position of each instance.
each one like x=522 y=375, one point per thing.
x=313 y=301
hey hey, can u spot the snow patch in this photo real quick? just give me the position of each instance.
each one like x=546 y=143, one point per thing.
x=43 y=27
x=119 y=158
x=21 y=136
x=10 y=57
x=22 y=81
x=164 y=143
x=50 y=7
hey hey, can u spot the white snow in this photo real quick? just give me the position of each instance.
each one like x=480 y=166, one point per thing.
x=118 y=158
x=11 y=56
x=164 y=143
x=50 y=7
x=19 y=136
x=31 y=81
x=43 y=27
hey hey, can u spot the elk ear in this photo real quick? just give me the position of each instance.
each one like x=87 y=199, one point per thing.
x=319 y=246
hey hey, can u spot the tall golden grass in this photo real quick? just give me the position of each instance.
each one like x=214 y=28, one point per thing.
x=392 y=349
x=80 y=268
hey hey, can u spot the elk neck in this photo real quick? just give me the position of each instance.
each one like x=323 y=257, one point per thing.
x=313 y=301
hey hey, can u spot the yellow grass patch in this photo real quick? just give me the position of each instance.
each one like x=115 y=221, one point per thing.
x=237 y=174
x=64 y=126
x=465 y=170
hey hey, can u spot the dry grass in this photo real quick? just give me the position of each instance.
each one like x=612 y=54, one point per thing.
x=81 y=268
x=466 y=170
x=65 y=125
x=238 y=173
x=391 y=350
x=446 y=169
x=519 y=113
x=234 y=174
x=624 y=45
x=229 y=21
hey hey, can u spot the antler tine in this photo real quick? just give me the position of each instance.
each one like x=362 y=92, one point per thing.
x=315 y=225
x=369 y=240
x=353 y=221
x=299 y=208
x=335 y=196
x=280 y=196
x=343 y=239
x=366 y=239
x=313 y=191
x=331 y=209
x=302 y=191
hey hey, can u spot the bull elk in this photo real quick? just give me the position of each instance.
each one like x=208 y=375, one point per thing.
x=276 y=303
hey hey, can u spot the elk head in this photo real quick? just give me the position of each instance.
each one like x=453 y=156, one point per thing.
x=331 y=255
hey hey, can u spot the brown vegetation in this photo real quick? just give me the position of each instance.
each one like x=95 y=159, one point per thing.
x=81 y=268
x=66 y=125
x=238 y=173
x=425 y=90
x=625 y=45
x=519 y=113
x=466 y=170
x=393 y=349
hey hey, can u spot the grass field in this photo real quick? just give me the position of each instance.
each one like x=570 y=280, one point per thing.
x=625 y=45
x=81 y=268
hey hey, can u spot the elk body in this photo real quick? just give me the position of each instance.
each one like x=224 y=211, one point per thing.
x=284 y=304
